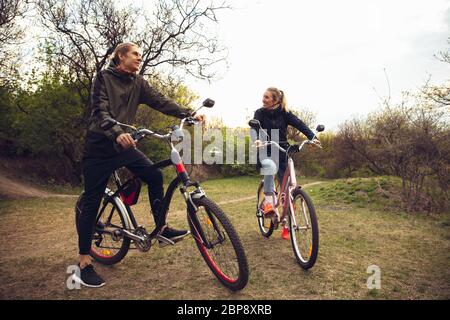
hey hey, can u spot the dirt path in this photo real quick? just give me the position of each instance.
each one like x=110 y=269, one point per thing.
x=223 y=203
x=13 y=189
x=253 y=197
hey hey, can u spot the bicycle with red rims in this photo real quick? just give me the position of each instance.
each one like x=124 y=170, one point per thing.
x=297 y=212
x=116 y=226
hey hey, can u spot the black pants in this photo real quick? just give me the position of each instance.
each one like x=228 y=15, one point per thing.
x=96 y=172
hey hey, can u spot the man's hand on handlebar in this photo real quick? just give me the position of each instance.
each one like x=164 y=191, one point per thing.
x=200 y=118
x=126 y=141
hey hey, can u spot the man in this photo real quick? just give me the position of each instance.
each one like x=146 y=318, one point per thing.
x=116 y=93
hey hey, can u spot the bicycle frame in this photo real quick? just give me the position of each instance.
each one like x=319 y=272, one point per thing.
x=288 y=184
x=181 y=178
x=285 y=199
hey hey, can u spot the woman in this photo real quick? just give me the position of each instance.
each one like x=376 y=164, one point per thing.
x=274 y=118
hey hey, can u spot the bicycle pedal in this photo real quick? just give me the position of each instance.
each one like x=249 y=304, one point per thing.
x=163 y=241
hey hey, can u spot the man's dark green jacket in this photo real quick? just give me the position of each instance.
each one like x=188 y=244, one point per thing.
x=116 y=94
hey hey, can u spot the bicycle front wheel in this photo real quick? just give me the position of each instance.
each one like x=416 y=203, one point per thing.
x=265 y=224
x=109 y=246
x=304 y=229
x=219 y=244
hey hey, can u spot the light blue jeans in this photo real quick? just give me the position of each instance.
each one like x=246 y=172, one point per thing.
x=269 y=168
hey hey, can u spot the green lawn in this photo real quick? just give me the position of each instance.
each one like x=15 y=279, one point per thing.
x=411 y=250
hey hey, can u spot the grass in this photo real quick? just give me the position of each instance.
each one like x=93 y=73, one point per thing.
x=377 y=193
x=412 y=251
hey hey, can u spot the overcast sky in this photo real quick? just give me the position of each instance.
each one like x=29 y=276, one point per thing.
x=327 y=55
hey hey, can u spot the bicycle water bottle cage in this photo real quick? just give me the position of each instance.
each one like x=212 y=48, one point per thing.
x=130 y=194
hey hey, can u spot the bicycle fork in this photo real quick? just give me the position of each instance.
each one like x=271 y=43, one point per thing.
x=199 y=233
x=305 y=216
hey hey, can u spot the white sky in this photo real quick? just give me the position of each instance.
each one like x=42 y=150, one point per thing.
x=326 y=55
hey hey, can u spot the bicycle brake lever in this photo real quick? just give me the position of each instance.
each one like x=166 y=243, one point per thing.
x=191 y=121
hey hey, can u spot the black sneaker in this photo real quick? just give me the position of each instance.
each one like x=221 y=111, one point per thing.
x=173 y=235
x=89 y=278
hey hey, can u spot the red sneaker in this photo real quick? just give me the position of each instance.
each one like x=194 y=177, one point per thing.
x=285 y=233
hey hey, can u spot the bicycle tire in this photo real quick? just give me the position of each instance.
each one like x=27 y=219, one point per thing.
x=211 y=217
x=265 y=225
x=306 y=255
x=101 y=255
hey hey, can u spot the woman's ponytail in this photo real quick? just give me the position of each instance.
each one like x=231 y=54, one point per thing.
x=279 y=97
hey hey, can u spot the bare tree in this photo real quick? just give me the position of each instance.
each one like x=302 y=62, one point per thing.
x=439 y=94
x=444 y=56
x=174 y=37
x=10 y=10
x=307 y=116
x=82 y=34
x=409 y=140
x=177 y=35
x=10 y=36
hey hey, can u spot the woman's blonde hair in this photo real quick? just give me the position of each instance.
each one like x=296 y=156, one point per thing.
x=279 y=97
x=122 y=49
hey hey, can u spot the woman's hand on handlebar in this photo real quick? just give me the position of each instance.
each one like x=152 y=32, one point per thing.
x=126 y=141
x=257 y=143
x=316 y=142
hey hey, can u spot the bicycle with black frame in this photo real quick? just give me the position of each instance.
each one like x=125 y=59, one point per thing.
x=116 y=226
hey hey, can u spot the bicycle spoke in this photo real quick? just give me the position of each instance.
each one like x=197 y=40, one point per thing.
x=301 y=236
x=221 y=252
x=219 y=244
x=104 y=245
x=304 y=229
x=265 y=224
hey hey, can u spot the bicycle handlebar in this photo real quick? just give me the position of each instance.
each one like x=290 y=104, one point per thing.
x=300 y=146
x=139 y=134
x=255 y=124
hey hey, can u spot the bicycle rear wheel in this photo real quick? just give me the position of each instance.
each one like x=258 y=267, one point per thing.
x=109 y=246
x=304 y=229
x=222 y=251
x=265 y=224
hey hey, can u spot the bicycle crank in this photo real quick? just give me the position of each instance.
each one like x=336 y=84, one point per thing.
x=146 y=243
